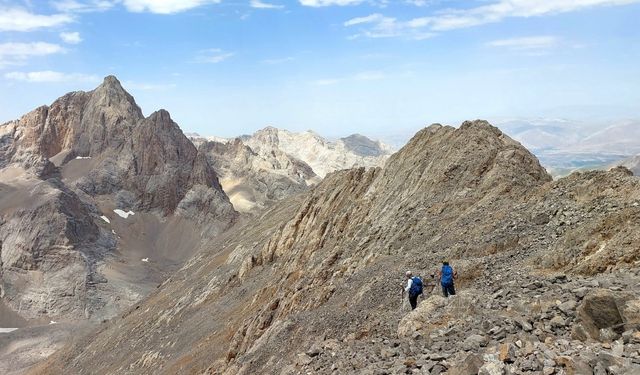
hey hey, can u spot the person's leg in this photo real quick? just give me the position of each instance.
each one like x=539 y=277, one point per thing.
x=452 y=290
x=413 y=300
x=445 y=291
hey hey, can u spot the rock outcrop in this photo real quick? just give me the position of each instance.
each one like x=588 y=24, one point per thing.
x=313 y=284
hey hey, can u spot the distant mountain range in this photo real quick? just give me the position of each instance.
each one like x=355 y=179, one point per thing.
x=259 y=169
x=564 y=146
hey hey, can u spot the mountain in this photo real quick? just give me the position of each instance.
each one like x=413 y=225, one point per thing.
x=260 y=169
x=547 y=273
x=254 y=181
x=322 y=155
x=564 y=146
x=98 y=204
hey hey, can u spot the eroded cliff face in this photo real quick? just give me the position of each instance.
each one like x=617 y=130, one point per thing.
x=65 y=168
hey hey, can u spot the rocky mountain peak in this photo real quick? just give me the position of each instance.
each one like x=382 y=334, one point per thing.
x=161 y=115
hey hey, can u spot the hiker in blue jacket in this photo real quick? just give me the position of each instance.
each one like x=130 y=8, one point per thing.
x=447 y=277
x=413 y=288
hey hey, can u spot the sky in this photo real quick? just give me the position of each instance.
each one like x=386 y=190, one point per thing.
x=376 y=67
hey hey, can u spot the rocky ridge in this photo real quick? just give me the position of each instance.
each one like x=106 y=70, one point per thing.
x=312 y=285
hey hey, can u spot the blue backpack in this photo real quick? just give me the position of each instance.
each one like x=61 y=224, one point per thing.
x=416 y=286
x=447 y=275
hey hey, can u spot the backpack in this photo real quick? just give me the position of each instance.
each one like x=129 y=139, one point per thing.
x=416 y=286
x=447 y=275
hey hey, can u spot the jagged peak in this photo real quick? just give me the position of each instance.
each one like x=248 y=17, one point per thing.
x=477 y=125
x=160 y=115
x=111 y=80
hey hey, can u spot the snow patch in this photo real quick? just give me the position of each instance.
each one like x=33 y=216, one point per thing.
x=123 y=214
x=113 y=231
x=146 y=260
x=7 y=330
x=105 y=219
x=53 y=322
x=82 y=157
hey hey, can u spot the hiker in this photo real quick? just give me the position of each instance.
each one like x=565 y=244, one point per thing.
x=413 y=288
x=447 y=276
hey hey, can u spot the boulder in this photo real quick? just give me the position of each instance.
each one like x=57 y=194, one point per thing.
x=599 y=310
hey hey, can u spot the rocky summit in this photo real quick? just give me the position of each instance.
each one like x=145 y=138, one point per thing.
x=98 y=204
x=547 y=275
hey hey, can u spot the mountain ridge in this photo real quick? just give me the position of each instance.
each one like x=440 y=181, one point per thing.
x=317 y=270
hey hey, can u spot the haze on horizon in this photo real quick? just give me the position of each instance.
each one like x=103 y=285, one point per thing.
x=376 y=67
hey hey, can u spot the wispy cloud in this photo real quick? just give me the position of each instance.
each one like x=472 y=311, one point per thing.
x=378 y=26
x=49 y=76
x=73 y=6
x=71 y=37
x=19 y=19
x=258 y=4
x=165 y=6
x=526 y=44
x=278 y=61
x=19 y=53
x=213 y=56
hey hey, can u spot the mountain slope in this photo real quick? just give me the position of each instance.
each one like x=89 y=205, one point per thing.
x=320 y=268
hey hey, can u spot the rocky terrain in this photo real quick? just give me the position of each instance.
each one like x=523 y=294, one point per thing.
x=548 y=275
x=260 y=169
x=98 y=204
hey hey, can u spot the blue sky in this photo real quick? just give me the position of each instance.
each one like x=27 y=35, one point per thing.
x=227 y=67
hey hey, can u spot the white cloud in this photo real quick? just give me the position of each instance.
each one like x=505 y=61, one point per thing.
x=71 y=37
x=378 y=26
x=526 y=43
x=51 y=76
x=325 y=3
x=262 y=5
x=387 y=27
x=165 y=6
x=18 y=19
x=73 y=6
x=213 y=55
x=18 y=53
x=376 y=17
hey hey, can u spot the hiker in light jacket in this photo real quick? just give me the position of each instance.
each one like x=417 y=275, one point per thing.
x=413 y=289
x=447 y=277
